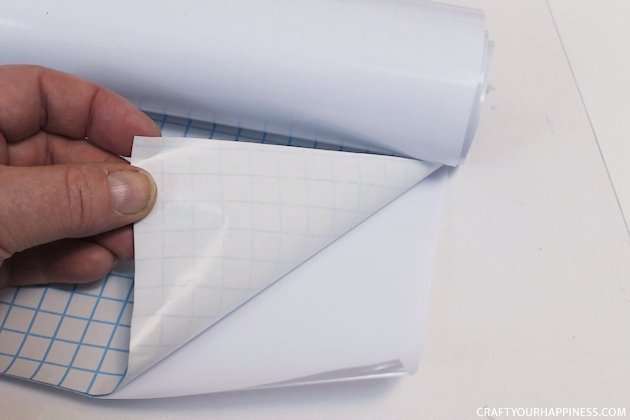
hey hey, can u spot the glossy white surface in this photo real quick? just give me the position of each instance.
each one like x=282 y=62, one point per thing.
x=401 y=77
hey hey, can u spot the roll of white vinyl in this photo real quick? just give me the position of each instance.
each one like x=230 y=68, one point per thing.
x=397 y=77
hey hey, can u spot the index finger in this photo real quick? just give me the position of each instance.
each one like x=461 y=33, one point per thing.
x=35 y=98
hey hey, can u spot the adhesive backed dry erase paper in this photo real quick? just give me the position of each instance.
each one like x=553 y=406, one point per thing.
x=231 y=218
x=317 y=226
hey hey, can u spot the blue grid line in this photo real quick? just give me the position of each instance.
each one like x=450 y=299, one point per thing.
x=66 y=315
x=6 y=315
x=80 y=342
x=187 y=127
x=54 y=336
x=110 y=274
x=122 y=376
x=95 y=295
x=121 y=275
x=61 y=365
x=109 y=343
x=162 y=122
x=215 y=129
x=236 y=135
x=212 y=131
x=28 y=330
x=63 y=340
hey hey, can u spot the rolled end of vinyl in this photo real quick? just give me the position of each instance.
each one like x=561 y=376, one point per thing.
x=480 y=96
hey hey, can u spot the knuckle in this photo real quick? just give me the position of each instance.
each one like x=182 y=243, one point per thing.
x=80 y=198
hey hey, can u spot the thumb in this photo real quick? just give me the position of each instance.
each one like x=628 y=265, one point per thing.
x=42 y=204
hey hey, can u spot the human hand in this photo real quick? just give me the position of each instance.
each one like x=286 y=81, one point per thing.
x=66 y=199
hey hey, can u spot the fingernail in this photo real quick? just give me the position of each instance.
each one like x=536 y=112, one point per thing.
x=131 y=190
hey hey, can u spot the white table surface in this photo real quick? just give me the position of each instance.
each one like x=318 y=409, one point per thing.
x=531 y=299
x=596 y=39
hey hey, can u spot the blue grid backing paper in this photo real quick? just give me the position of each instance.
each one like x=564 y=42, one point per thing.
x=74 y=337
x=77 y=336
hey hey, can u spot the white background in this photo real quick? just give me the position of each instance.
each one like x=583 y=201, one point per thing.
x=531 y=299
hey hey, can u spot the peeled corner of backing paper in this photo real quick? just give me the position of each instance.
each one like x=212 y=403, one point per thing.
x=231 y=218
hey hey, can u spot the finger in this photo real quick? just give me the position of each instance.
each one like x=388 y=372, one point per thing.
x=42 y=204
x=35 y=98
x=119 y=242
x=66 y=261
x=44 y=148
x=70 y=260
